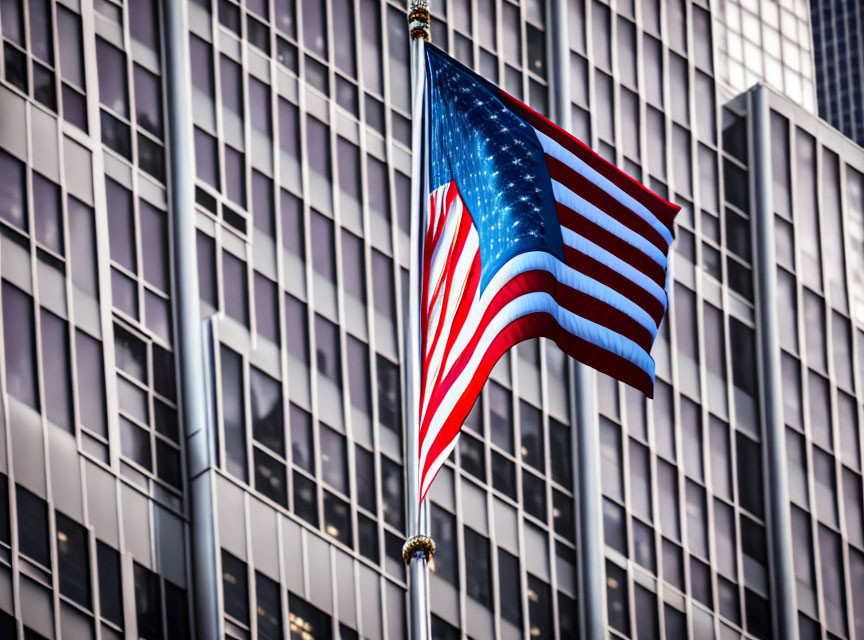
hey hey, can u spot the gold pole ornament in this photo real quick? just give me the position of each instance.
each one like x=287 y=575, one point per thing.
x=419 y=19
x=417 y=545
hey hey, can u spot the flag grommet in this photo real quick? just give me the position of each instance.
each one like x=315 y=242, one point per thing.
x=418 y=544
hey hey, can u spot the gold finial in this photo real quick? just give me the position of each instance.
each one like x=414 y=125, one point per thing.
x=418 y=544
x=419 y=19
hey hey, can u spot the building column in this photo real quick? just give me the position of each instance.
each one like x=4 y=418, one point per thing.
x=198 y=427
x=586 y=445
x=782 y=568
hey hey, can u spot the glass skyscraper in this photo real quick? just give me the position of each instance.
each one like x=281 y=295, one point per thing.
x=838 y=43
x=203 y=253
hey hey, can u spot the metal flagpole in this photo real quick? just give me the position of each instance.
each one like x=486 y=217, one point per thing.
x=419 y=547
x=592 y=620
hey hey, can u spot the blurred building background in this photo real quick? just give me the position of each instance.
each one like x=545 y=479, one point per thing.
x=300 y=158
x=838 y=43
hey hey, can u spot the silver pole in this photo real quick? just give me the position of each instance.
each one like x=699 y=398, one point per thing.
x=198 y=431
x=419 y=547
x=765 y=267
x=592 y=610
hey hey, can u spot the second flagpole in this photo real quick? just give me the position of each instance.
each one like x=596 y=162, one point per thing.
x=419 y=547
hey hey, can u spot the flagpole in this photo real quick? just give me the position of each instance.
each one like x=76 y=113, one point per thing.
x=592 y=619
x=419 y=547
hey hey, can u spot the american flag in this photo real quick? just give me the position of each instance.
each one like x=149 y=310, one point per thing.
x=529 y=234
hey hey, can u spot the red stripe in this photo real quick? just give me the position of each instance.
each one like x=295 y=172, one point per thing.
x=450 y=267
x=530 y=282
x=662 y=208
x=614 y=280
x=611 y=243
x=535 y=325
x=601 y=199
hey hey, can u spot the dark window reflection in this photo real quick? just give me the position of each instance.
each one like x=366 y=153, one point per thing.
x=47 y=216
x=509 y=587
x=504 y=475
x=539 y=608
x=148 y=606
x=392 y=483
x=367 y=535
x=305 y=500
x=301 y=438
x=534 y=492
x=306 y=621
x=270 y=477
x=266 y=398
x=73 y=558
x=33 y=526
x=532 y=435
x=617 y=604
x=478 y=576
x=110 y=588
x=19 y=345
x=13 y=204
x=113 y=92
x=501 y=416
x=443 y=528
x=337 y=518
x=233 y=412
x=334 y=459
x=269 y=608
x=235 y=587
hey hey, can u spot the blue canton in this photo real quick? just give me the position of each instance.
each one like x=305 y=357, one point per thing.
x=495 y=159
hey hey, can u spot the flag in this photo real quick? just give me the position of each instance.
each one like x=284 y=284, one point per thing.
x=529 y=234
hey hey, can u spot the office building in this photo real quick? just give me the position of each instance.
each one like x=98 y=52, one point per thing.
x=232 y=465
x=838 y=46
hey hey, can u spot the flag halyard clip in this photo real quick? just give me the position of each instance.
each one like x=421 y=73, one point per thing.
x=417 y=545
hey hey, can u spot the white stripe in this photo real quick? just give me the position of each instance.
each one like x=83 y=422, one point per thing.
x=557 y=151
x=542 y=261
x=438 y=262
x=461 y=275
x=524 y=305
x=580 y=205
x=574 y=240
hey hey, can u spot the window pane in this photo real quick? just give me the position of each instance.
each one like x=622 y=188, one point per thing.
x=233 y=413
x=235 y=587
x=91 y=382
x=47 y=215
x=266 y=398
x=73 y=559
x=154 y=244
x=531 y=422
x=33 y=526
x=269 y=608
x=20 y=345
x=235 y=287
x=334 y=459
x=148 y=603
x=111 y=65
x=110 y=588
x=477 y=570
x=270 y=477
x=301 y=438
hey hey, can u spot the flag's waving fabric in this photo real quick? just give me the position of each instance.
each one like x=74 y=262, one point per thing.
x=529 y=234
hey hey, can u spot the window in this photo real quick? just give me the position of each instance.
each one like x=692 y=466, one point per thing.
x=539 y=608
x=148 y=603
x=392 y=482
x=33 y=526
x=304 y=620
x=477 y=567
x=501 y=416
x=110 y=587
x=269 y=608
x=233 y=412
x=19 y=345
x=531 y=422
x=266 y=398
x=235 y=587
x=73 y=558
x=13 y=202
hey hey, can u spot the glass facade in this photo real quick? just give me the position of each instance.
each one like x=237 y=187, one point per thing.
x=767 y=41
x=301 y=144
x=838 y=27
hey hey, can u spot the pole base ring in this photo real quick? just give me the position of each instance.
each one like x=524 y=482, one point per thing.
x=417 y=545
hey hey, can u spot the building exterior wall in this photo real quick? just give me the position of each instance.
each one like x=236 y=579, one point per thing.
x=94 y=525
x=302 y=161
x=838 y=47
x=768 y=41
